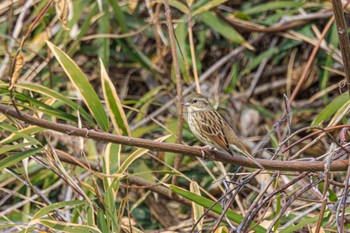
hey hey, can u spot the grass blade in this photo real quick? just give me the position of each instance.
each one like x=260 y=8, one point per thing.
x=206 y=203
x=15 y=158
x=330 y=109
x=114 y=105
x=82 y=84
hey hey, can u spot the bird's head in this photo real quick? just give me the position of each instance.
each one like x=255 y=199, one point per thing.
x=197 y=102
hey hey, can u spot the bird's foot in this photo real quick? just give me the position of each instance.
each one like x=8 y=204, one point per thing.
x=203 y=153
x=202 y=148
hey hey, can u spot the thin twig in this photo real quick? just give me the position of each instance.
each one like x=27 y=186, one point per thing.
x=259 y=72
x=344 y=197
x=177 y=159
x=344 y=42
x=310 y=60
x=255 y=203
x=290 y=201
x=141 y=183
x=325 y=190
x=268 y=197
x=193 y=53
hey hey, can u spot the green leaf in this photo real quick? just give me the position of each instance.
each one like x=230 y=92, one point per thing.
x=104 y=28
x=259 y=58
x=341 y=112
x=19 y=134
x=83 y=29
x=5 y=149
x=47 y=209
x=67 y=227
x=130 y=47
x=273 y=6
x=110 y=208
x=184 y=60
x=58 y=96
x=90 y=219
x=303 y=222
x=330 y=109
x=207 y=6
x=82 y=84
x=37 y=105
x=144 y=171
x=114 y=105
x=217 y=208
x=15 y=158
x=112 y=158
x=145 y=101
x=197 y=210
x=332 y=195
x=222 y=28
x=138 y=153
x=178 y=5
x=102 y=222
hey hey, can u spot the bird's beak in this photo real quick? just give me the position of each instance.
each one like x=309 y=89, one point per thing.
x=185 y=103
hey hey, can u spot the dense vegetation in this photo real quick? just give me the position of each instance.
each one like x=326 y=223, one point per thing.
x=72 y=73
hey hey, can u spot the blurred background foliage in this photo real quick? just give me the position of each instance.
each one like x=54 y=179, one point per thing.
x=107 y=65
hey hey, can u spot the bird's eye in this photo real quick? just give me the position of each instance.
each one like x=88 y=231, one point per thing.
x=194 y=101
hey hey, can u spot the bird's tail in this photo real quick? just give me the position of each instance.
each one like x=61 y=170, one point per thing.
x=243 y=150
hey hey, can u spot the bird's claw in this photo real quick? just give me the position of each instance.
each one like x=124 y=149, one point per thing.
x=203 y=153
x=203 y=148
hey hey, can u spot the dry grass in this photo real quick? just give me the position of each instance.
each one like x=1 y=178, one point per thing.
x=274 y=69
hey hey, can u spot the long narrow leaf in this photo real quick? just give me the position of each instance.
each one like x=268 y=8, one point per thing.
x=113 y=103
x=138 y=153
x=217 y=208
x=273 y=5
x=104 y=28
x=19 y=134
x=5 y=149
x=68 y=227
x=82 y=84
x=197 y=209
x=223 y=28
x=330 y=109
x=15 y=158
x=207 y=6
x=47 y=209
x=58 y=96
x=130 y=47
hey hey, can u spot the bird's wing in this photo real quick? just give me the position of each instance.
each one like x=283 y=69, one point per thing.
x=212 y=129
x=233 y=140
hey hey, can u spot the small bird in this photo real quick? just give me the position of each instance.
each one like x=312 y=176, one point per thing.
x=211 y=128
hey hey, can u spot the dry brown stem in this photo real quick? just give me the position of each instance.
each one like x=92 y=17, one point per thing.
x=340 y=165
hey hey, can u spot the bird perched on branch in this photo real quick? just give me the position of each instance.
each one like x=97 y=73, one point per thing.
x=211 y=128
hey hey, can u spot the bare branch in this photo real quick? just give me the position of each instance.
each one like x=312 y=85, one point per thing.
x=344 y=42
x=340 y=165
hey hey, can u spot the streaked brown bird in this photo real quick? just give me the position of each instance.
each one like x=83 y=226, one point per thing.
x=211 y=128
